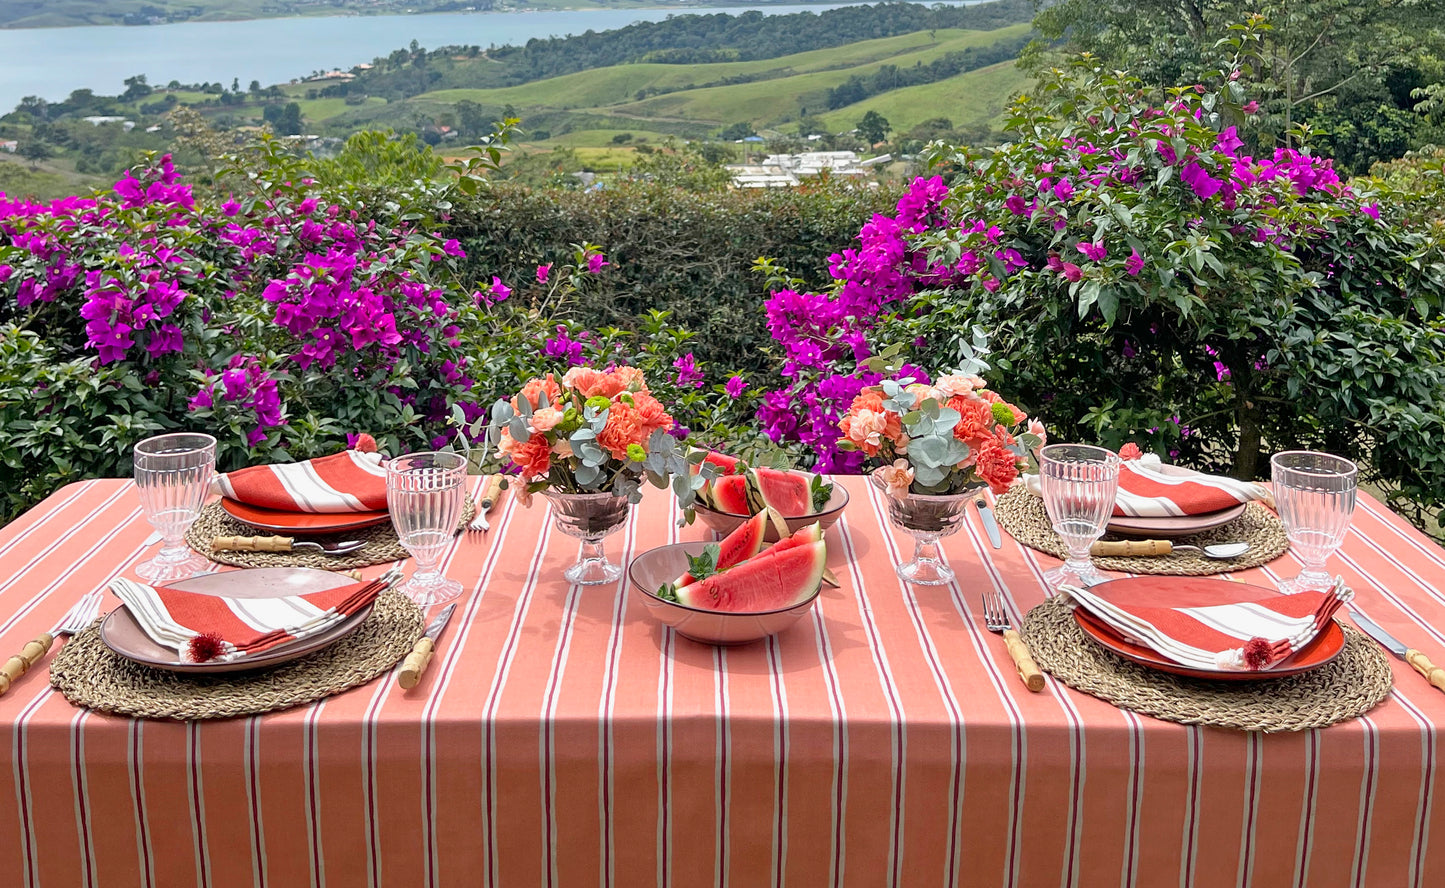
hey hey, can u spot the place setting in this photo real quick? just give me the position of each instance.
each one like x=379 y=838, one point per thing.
x=1202 y=649
x=190 y=643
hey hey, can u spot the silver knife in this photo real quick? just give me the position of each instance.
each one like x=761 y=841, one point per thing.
x=990 y=524
x=420 y=655
x=1418 y=661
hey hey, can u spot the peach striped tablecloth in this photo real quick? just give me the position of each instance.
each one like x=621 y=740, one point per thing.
x=560 y=738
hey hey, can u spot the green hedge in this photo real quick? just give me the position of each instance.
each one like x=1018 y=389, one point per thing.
x=690 y=253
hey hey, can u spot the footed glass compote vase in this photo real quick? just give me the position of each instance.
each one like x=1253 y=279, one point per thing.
x=589 y=517
x=927 y=518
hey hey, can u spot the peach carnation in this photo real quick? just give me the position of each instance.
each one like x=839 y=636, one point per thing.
x=1037 y=428
x=997 y=465
x=591 y=383
x=535 y=388
x=867 y=424
x=896 y=479
x=545 y=419
x=956 y=384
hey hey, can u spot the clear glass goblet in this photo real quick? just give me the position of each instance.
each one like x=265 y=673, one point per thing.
x=1314 y=494
x=589 y=517
x=173 y=475
x=927 y=518
x=1079 y=483
x=425 y=493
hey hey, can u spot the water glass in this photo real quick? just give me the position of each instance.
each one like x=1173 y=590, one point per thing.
x=425 y=493
x=1079 y=484
x=1314 y=494
x=173 y=475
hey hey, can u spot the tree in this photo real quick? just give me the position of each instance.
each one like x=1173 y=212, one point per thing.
x=740 y=130
x=621 y=138
x=136 y=89
x=34 y=150
x=255 y=88
x=873 y=127
x=284 y=119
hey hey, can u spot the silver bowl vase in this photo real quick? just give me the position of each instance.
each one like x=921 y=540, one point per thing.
x=927 y=518
x=589 y=517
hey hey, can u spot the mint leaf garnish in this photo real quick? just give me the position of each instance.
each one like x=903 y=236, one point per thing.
x=822 y=492
x=705 y=565
x=667 y=592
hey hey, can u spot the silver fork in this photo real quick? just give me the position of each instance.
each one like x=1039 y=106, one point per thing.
x=81 y=615
x=995 y=617
x=491 y=492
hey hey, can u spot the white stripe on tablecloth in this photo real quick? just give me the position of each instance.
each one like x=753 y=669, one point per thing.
x=197 y=803
x=82 y=794
x=461 y=632
x=1077 y=766
x=664 y=744
x=1194 y=736
x=252 y=766
x=1252 y=764
x=494 y=697
x=310 y=759
x=1136 y=796
x=898 y=747
x=956 y=747
x=81 y=488
x=1305 y=844
x=722 y=775
x=1429 y=551
x=780 y=757
x=838 y=798
x=1361 y=863
x=135 y=758
x=1425 y=800
x=606 y=785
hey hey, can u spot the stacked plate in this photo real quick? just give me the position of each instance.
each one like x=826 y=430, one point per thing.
x=123 y=635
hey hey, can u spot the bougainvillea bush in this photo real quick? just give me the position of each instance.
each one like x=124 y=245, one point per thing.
x=1138 y=277
x=285 y=320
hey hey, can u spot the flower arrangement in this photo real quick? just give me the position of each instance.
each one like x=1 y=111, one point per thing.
x=592 y=431
x=940 y=438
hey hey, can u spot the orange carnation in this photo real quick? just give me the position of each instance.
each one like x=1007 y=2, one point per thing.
x=625 y=425
x=996 y=398
x=591 y=383
x=533 y=456
x=535 y=388
x=975 y=418
x=996 y=464
x=650 y=413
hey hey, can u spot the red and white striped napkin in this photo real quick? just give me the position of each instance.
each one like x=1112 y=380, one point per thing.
x=350 y=481
x=205 y=628
x=1147 y=490
x=1238 y=628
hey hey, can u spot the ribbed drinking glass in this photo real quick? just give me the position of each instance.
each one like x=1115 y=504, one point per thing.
x=425 y=493
x=173 y=475
x=1079 y=485
x=1314 y=494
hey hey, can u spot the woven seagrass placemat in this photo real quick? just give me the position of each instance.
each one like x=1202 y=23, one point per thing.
x=90 y=674
x=1348 y=686
x=382 y=545
x=1023 y=515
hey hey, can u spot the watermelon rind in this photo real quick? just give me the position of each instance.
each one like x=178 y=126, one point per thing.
x=788 y=492
x=762 y=585
x=740 y=545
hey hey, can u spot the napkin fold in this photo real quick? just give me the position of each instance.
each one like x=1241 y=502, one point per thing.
x=349 y=481
x=205 y=628
x=1147 y=490
x=1203 y=632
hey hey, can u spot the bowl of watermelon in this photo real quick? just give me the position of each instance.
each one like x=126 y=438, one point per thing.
x=735 y=591
x=800 y=498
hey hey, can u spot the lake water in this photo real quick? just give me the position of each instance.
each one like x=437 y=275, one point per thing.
x=50 y=62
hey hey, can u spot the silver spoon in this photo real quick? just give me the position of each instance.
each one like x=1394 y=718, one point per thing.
x=1220 y=551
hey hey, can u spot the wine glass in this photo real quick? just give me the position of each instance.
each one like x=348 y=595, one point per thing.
x=173 y=475
x=425 y=493
x=1315 y=496
x=1079 y=484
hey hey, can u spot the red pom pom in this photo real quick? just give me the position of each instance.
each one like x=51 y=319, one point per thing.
x=1258 y=652
x=206 y=646
x=365 y=443
x=1130 y=451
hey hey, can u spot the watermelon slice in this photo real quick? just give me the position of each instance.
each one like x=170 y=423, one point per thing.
x=788 y=492
x=727 y=465
x=810 y=534
x=737 y=547
x=730 y=494
x=761 y=584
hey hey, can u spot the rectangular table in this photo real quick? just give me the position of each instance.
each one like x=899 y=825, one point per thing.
x=561 y=738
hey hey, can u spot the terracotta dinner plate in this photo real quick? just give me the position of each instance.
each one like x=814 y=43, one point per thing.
x=122 y=634
x=1170 y=527
x=293 y=523
x=1168 y=591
